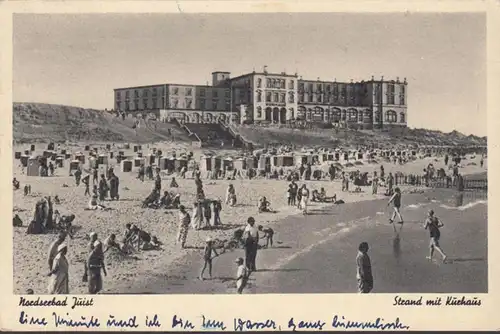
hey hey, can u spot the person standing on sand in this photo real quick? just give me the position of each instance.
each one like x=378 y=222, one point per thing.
x=114 y=186
x=304 y=198
x=434 y=224
x=390 y=183
x=217 y=208
x=364 y=269
x=78 y=175
x=59 y=282
x=396 y=203
x=95 y=176
x=184 y=221
x=374 y=184
x=86 y=182
x=53 y=249
x=90 y=247
x=251 y=238
x=158 y=181
x=207 y=257
x=95 y=264
x=197 y=215
x=103 y=188
x=289 y=195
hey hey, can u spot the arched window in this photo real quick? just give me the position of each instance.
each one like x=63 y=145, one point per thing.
x=259 y=95
x=259 y=83
x=402 y=117
x=291 y=97
x=291 y=85
x=391 y=117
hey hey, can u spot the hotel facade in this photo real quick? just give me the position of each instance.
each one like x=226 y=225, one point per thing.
x=263 y=97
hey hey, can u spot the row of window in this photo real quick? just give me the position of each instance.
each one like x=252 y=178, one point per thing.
x=392 y=100
x=276 y=97
x=276 y=83
x=175 y=91
x=145 y=93
x=215 y=93
x=215 y=105
x=351 y=115
x=145 y=103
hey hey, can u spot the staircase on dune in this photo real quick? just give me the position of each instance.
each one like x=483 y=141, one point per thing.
x=214 y=134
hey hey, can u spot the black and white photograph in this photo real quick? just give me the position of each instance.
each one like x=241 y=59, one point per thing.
x=249 y=153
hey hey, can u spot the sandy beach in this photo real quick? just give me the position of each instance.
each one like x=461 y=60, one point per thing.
x=30 y=251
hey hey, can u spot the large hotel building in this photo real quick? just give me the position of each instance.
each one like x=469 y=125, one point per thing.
x=262 y=97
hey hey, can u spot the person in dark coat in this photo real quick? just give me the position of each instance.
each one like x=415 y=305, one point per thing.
x=103 y=188
x=114 y=184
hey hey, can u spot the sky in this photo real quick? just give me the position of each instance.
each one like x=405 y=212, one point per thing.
x=79 y=59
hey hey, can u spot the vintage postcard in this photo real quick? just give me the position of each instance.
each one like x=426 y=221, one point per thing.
x=242 y=166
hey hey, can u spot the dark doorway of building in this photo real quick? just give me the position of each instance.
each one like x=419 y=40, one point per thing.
x=283 y=116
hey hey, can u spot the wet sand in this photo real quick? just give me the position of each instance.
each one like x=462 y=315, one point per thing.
x=316 y=253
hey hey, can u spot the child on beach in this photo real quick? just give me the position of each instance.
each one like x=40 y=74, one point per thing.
x=434 y=224
x=268 y=235
x=364 y=269
x=396 y=202
x=207 y=257
x=241 y=275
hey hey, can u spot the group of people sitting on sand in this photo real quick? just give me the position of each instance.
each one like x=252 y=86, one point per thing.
x=320 y=196
x=169 y=200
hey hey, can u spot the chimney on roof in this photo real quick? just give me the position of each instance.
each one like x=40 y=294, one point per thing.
x=335 y=80
x=382 y=78
x=405 y=80
x=397 y=79
x=373 y=78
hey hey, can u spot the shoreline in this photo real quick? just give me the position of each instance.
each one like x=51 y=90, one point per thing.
x=177 y=278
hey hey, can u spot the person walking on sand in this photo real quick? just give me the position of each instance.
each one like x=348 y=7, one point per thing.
x=184 y=221
x=364 y=269
x=433 y=224
x=59 y=273
x=95 y=264
x=396 y=203
x=241 y=275
x=207 y=257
